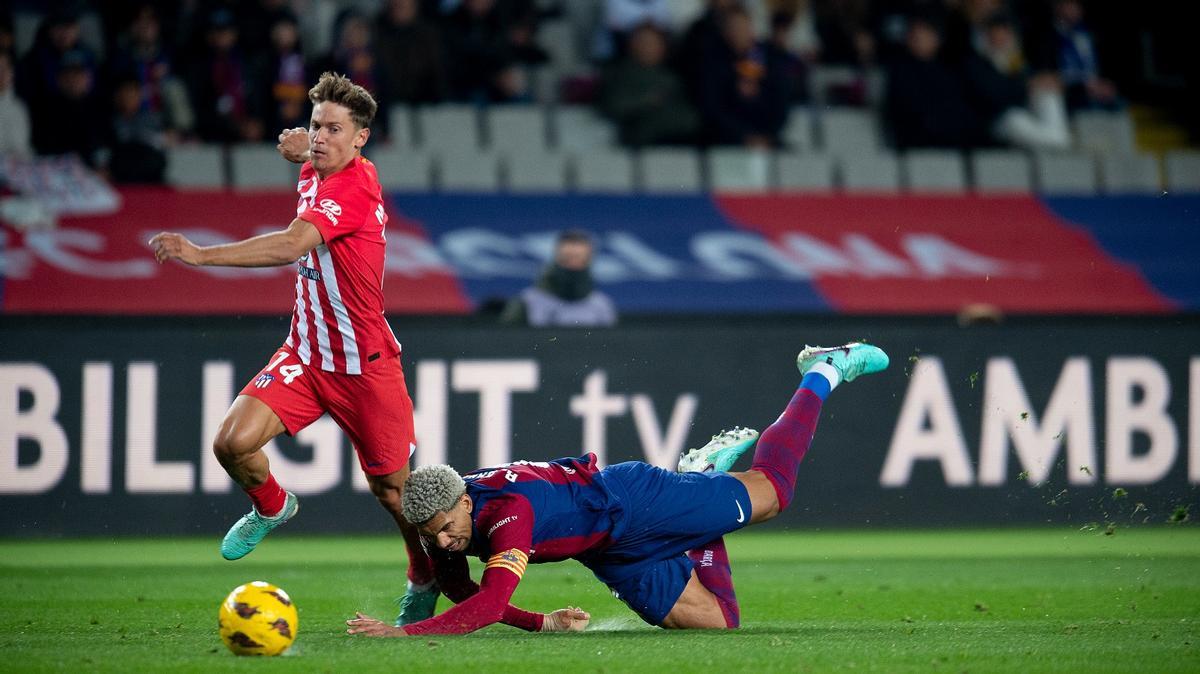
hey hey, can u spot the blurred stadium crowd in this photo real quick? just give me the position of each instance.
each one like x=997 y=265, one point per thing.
x=121 y=83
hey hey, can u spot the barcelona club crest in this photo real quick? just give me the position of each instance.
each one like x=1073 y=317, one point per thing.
x=264 y=380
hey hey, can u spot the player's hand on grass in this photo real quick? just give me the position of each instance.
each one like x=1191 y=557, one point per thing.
x=370 y=627
x=293 y=145
x=569 y=619
x=172 y=246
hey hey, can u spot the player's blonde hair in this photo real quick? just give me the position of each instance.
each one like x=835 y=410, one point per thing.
x=334 y=88
x=430 y=490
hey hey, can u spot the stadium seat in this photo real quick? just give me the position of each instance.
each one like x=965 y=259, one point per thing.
x=200 y=166
x=259 y=166
x=1183 y=171
x=1104 y=132
x=468 y=172
x=1001 y=171
x=516 y=127
x=400 y=127
x=671 y=170
x=739 y=170
x=536 y=171
x=941 y=171
x=798 y=134
x=805 y=172
x=449 y=129
x=849 y=131
x=878 y=172
x=604 y=170
x=578 y=127
x=1066 y=173
x=400 y=169
x=1130 y=174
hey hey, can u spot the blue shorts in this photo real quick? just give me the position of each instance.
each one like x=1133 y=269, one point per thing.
x=664 y=514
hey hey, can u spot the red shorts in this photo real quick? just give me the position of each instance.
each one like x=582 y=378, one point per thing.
x=373 y=408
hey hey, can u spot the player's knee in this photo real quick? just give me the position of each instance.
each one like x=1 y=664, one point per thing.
x=692 y=621
x=232 y=442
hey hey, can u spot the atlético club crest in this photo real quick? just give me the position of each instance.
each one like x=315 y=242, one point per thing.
x=264 y=380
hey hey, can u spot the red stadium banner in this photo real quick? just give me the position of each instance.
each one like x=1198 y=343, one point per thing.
x=938 y=254
x=102 y=264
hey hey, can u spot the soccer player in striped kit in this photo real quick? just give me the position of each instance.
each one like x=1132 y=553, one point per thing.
x=654 y=537
x=340 y=356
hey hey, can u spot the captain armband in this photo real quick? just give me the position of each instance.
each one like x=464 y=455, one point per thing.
x=513 y=559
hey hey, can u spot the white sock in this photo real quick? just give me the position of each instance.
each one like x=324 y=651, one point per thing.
x=829 y=372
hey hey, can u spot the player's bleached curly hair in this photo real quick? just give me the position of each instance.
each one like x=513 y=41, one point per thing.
x=430 y=490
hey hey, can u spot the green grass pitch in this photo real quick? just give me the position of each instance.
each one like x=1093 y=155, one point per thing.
x=1049 y=600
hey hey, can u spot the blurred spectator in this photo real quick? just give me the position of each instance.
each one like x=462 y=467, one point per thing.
x=14 y=116
x=256 y=21
x=927 y=103
x=136 y=137
x=141 y=55
x=794 y=64
x=70 y=118
x=966 y=27
x=353 y=53
x=744 y=93
x=412 y=65
x=219 y=83
x=622 y=17
x=645 y=97
x=282 y=78
x=790 y=25
x=1021 y=110
x=565 y=295
x=489 y=51
x=1077 y=63
x=57 y=36
x=701 y=38
x=844 y=29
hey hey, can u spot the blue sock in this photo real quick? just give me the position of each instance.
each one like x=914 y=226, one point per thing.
x=817 y=383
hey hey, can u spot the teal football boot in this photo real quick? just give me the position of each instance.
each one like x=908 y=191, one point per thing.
x=720 y=453
x=850 y=360
x=249 y=531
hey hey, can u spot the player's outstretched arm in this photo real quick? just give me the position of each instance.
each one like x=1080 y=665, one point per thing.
x=268 y=250
x=293 y=145
x=569 y=619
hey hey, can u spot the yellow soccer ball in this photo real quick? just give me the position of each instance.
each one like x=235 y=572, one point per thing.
x=258 y=619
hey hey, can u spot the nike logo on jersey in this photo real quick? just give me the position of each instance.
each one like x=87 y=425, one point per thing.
x=741 y=514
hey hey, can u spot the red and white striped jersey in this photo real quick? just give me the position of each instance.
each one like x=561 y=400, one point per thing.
x=338 y=322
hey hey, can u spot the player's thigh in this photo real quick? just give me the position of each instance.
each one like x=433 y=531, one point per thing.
x=280 y=398
x=696 y=608
x=669 y=513
x=656 y=589
x=247 y=426
x=376 y=413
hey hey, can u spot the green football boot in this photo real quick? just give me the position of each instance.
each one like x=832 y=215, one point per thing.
x=249 y=531
x=850 y=360
x=417 y=604
x=720 y=453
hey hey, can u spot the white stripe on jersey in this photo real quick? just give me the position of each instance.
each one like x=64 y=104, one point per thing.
x=322 y=329
x=303 y=350
x=349 y=343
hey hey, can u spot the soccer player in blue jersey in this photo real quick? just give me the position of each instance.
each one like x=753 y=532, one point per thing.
x=652 y=536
